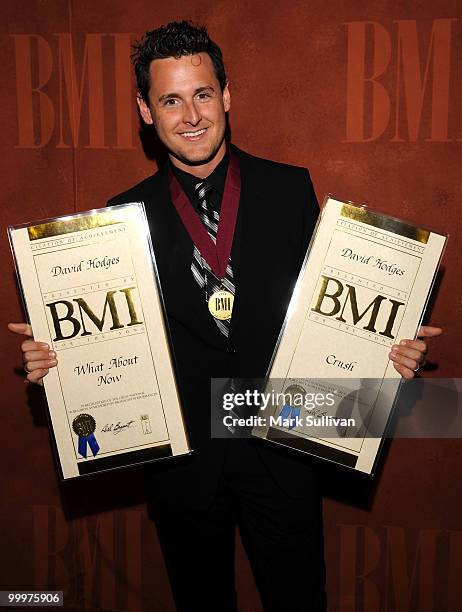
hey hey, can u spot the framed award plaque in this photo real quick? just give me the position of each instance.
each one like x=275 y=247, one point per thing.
x=91 y=292
x=363 y=287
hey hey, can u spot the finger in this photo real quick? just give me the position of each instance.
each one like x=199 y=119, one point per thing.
x=429 y=332
x=20 y=328
x=418 y=345
x=36 y=376
x=43 y=364
x=38 y=355
x=405 y=372
x=412 y=364
x=408 y=352
x=31 y=345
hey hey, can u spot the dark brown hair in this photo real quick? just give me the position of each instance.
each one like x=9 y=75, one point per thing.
x=175 y=39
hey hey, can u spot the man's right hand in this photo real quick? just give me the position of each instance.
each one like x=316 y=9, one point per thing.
x=37 y=357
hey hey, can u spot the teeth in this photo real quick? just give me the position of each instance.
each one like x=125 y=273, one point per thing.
x=191 y=134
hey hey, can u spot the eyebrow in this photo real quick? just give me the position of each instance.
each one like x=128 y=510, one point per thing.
x=176 y=95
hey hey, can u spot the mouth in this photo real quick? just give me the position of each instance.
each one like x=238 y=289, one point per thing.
x=193 y=135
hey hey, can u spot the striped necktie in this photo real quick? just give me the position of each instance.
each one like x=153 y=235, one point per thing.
x=200 y=269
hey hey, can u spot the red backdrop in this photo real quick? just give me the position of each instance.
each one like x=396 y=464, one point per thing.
x=366 y=95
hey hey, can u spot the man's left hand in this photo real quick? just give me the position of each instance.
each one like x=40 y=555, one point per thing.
x=409 y=355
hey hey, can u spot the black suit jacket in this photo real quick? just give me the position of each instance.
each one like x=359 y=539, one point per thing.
x=277 y=214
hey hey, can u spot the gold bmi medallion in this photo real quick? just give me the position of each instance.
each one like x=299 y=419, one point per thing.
x=221 y=304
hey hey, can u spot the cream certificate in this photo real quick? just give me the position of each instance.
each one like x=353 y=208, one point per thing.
x=90 y=289
x=363 y=287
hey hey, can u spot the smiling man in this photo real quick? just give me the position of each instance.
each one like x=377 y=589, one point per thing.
x=187 y=105
x=264 y=213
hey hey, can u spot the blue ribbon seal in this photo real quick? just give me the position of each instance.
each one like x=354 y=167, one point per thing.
x=84 y=426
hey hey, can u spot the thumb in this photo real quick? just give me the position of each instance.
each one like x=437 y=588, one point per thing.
x=426 y=331
x=21 y=328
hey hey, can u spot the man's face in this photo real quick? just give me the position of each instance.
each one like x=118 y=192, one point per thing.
x=187 y=108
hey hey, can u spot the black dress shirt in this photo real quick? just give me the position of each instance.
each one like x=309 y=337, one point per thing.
x=216 y=179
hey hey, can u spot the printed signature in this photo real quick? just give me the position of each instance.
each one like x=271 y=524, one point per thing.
x=116 y=428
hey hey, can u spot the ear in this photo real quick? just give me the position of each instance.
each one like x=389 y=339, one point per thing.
x=226 y=98
x=145 y=111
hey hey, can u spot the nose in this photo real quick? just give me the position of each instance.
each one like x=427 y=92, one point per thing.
x=191 y=113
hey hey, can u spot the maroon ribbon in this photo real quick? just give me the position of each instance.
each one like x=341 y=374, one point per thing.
x=216 y=255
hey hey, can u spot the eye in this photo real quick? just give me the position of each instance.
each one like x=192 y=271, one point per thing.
x=170 y=102
x=203 y=95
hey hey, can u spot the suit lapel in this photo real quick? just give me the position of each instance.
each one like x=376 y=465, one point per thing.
x=245 y=248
